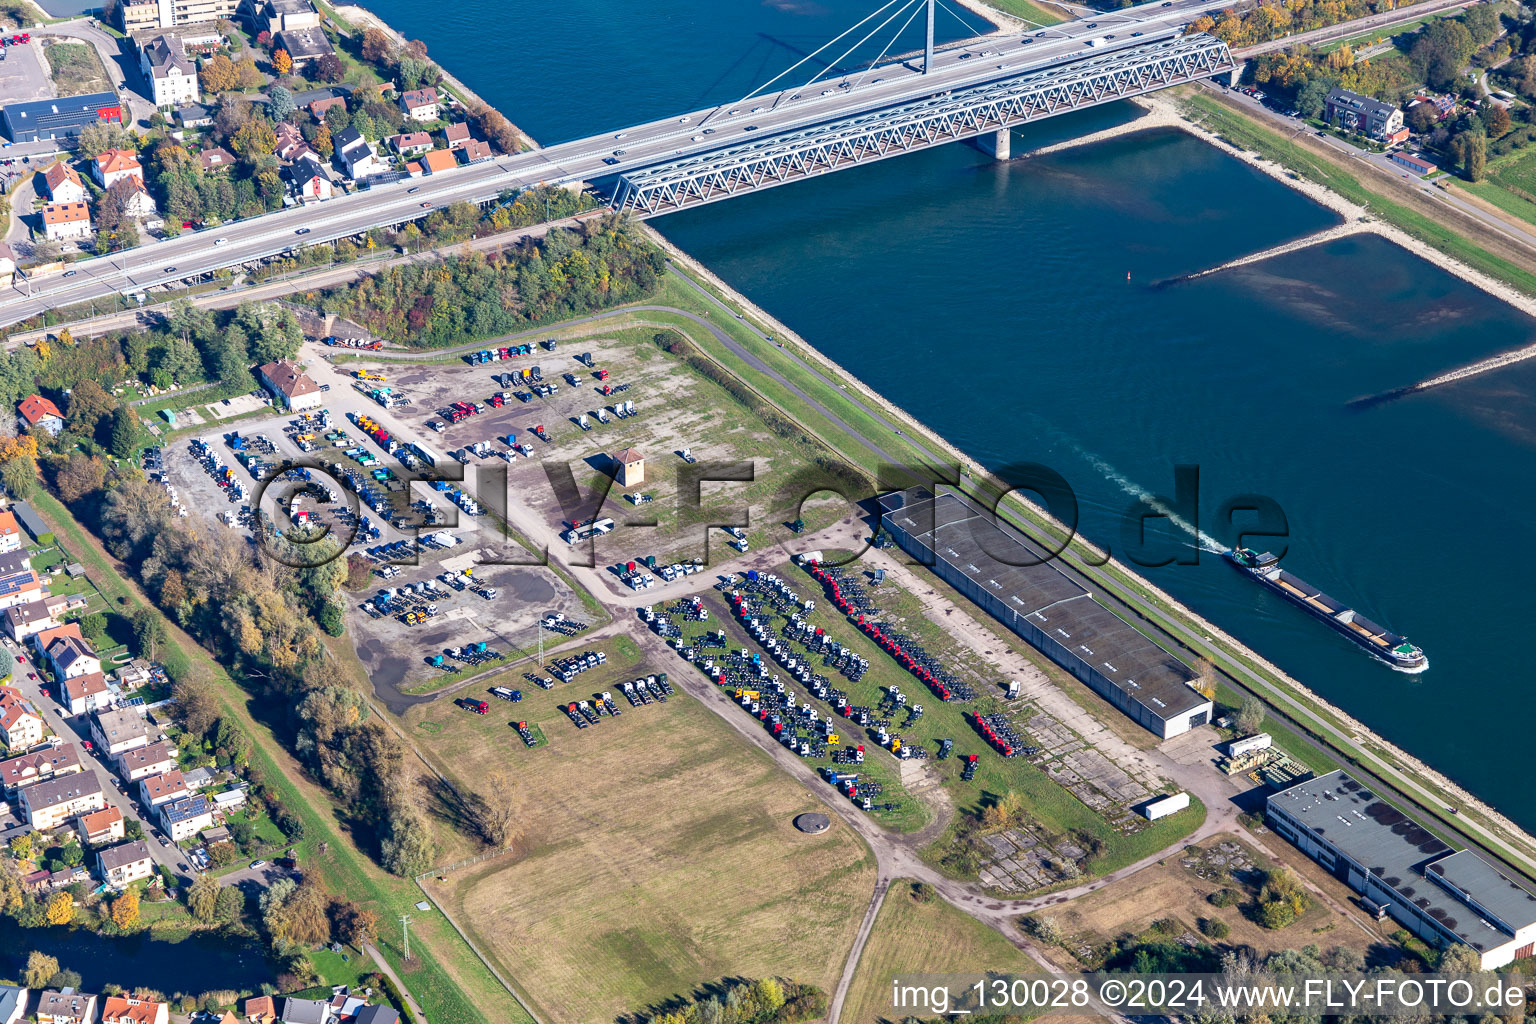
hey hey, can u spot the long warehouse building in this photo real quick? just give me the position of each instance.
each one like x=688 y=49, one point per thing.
x=1442 y=896
x=1010 y=576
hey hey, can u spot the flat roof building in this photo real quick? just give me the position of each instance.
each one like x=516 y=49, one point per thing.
x=60 y=118
x=1010 y=576
x=1441 y=895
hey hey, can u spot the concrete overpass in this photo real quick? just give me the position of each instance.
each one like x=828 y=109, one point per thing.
x=978 y=88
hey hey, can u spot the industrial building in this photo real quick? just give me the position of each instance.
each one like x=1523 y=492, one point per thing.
x=1443 y=896
x=1010 y=576
x=61 y=118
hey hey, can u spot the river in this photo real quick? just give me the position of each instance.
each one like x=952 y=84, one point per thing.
x=992 y=301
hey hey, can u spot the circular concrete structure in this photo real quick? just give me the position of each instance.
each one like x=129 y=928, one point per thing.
x=812 y=823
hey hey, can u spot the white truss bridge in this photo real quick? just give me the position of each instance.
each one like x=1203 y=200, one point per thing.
x=949 y=116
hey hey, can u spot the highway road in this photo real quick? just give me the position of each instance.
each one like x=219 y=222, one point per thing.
x=974 y=62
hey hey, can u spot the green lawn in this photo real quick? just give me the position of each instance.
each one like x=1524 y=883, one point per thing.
x=1026 y=11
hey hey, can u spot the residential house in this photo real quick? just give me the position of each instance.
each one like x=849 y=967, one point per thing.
x=143 y=762
x=20 y=588
x=16 y=559
x=117 y=731
x=304 y=45
x=40 y=412
x=13 y=1003
x=413 y=169
x=66 y=877
x=21 y=727
x=306 y=1011
x=420 y=104
x=172 y=76
x=199 y=778
x=66 y=1007
x=125 y=863
x=194 y=115
x=186 y=817
x=317 y=108
x=228 y=800
x=101 y=827
x=41 y=641
x=126 y=1010
x=64 y=184
x=158 y=789
x=39 y=766
x=356 y=154
x=310 y=181
x=83 y=693
x=411 y=143
x=291 y=387
x=260 y=1010
x=61 y=604
x=377 y=1015
x=139 y=203
x=456 y=134
x=476 y=151
x=439 y=160
x=10 y=536
x=216 y=158
x=29 y=618
x=66 y=652
x=1353 y=112
x=66 y=222
x=47 y=805
x=114 y=165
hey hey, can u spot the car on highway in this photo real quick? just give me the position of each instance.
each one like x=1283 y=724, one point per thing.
x=826 y=92
x=697 y=138
x=610 y=160
x=757 y=110
x=71 y=273
x=427 y=205
x=709 y=131
x=221 y=241
x=685 y=119
x=302 y=231
x=169 y=270
x=622 y=135
x=750 y=128
x=1135 y=35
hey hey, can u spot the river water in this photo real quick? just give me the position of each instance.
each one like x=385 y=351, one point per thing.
x=992 y=301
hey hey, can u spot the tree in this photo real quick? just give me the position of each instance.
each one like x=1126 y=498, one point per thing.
x=282 y=61
x=1312 y=97
x=416 y=48
x=1440 y=52
x=328 y=69
x=407 y=848
x=1496 y=119
x=88 y=405
x=280 y=104
x=21 y=846
x=769 y=993
x=19 y=477
x=376 y=46
x=125 y=432
x=203 y=897
x=1282 y=899
x=353 y=924
x=254 y=139
x=490 y=124
x=61 y=908
x=1205 y=678
x=1422 y=117
x=96 y=139
x=218 y=74
x=82 y=475
x=125 y=910
x=94 y=627
x=40 y=968
x=248 y=76
x=1250 y=715
x=230 y=906
x=148 y=633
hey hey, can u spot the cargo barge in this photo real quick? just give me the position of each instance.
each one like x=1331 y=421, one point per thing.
x=1395 y=650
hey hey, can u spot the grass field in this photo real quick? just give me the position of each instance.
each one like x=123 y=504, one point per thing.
x=1026 y=11
x=925 y=935
x=75 y=68
x=656 y=853
x=1510 y=185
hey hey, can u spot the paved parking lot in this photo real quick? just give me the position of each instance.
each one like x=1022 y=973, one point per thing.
x=24 y=74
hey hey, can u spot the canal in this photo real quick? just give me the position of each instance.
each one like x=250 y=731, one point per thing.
x=1022 y=311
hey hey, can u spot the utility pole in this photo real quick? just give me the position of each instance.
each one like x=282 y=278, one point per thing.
x=928 y=43
x=405 y=932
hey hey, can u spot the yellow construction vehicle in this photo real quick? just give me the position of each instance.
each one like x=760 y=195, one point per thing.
x=369 y=375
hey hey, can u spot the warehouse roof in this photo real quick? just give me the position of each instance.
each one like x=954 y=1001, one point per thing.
x=1003 y=562
x=1409 y=858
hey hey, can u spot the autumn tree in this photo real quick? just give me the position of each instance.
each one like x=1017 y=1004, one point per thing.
x=352 y=924
x=255 y=139
x=416 y=48
x=282 y=61
x=408 y=847
x=61 y=908
x=88 y=404
x=1496 y=119
x=218 y=75
x=1205 y=678
x=328 y=69
x=125 y=910
x=376 y=46
x=39 y=970
x=203 y=897
x=248 y=76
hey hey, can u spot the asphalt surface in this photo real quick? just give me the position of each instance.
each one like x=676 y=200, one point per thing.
x=987 y=59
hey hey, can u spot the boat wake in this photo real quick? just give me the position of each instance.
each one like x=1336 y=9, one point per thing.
x=1202 y=540
x=1421 y=667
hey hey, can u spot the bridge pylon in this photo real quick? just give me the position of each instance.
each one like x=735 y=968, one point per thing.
x=928 y=41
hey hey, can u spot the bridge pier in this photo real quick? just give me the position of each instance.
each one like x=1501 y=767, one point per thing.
x=998 y=143
x=1237 y=73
